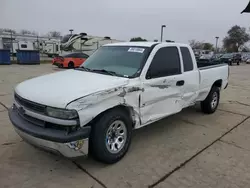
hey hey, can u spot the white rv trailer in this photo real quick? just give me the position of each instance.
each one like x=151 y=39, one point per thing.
x=83 y=42
x=14 y=42
x=54 y=46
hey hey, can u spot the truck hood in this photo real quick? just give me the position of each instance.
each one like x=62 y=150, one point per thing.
x=59 y=89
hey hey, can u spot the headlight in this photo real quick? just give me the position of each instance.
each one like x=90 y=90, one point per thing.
x=61 y=113
x=230 y=59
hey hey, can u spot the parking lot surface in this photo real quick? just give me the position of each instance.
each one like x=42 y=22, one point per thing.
x=189 y=149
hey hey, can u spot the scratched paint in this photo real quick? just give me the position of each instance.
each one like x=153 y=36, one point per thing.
x=161 y=86
x=92 y=105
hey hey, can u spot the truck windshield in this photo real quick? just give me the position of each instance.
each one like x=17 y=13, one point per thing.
x=123 y=60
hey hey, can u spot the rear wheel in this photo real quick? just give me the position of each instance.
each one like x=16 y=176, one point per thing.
x=71 y=65
x=210 y=104
x=238 y=63
x=60 y=65
x=111 y=136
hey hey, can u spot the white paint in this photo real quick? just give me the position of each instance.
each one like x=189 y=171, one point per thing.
x=148 y=100
x=208 y=77
x=132 y=44
x=59 y=89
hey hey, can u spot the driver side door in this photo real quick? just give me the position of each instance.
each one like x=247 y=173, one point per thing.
x=163 y=85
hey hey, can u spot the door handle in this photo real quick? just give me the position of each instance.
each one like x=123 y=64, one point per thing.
x=180 y=83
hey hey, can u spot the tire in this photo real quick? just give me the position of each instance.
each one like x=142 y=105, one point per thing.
x=100 y=149
x=71 y=65
x=60 y=65
x=210 y=104
x=238 y=63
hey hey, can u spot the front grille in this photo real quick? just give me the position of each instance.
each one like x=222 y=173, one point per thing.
x=44 y=124
x=30 y=105
x=33 y=120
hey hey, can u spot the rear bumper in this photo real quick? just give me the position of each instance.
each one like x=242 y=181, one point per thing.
x=68 y=145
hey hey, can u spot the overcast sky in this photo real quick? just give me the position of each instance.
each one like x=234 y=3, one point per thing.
x=185 y=19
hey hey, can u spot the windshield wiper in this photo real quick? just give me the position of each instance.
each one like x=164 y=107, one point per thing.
x=112 y=73
x=83 y=68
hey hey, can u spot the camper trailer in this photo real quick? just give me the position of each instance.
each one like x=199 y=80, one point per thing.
x=14 y=42
x=84 y=43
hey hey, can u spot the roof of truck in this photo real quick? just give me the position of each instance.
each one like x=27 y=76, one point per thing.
x=142 y=44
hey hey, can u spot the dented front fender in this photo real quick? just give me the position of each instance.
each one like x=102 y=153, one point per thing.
x=91 y=106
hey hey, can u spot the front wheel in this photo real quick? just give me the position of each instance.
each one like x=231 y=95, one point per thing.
x=210 y=104
x=71 y=65
x=111 y=136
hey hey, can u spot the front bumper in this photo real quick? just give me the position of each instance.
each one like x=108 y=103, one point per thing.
x=56 y=141
x=56 y=64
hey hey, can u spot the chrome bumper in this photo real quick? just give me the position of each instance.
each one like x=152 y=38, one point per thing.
x=70 y=150
x=70 y=145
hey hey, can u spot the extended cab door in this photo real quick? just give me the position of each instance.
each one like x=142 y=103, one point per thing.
x=162 y=81
x=192 y=77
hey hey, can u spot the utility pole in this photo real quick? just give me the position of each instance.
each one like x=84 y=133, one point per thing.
x=12 y=48
x=163 y=26
x=216 y=45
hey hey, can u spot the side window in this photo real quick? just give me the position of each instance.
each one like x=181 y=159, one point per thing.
x=23 y=45
x=187 y=59
x=166 y=62
x=76 y=55
x=84 y=56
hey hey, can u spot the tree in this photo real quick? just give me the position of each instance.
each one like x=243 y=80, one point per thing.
x=55 y=34
x=195 y=44
x=201 y=45
x=207 y=46
x=137 y=39
x=7 y=30
x=236 y=38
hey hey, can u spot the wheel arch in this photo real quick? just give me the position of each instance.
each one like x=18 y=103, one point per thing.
x=129 y=110
x=217 y=83
x=71 y=62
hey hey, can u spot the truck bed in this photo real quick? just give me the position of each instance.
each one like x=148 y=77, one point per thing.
x=209 y=74
x=207 y=65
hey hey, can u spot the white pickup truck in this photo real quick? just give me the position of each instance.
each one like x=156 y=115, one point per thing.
x=121 y=87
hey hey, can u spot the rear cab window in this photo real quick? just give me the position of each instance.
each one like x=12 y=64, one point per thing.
x=166 y=62
x=187 y=59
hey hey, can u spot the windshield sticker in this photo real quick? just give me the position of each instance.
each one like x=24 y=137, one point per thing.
x=138 y=50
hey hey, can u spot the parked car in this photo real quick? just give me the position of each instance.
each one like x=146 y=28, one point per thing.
x=247 y=61
x=227 y=58
x=231 y=58
x=121 y=87
x=70 y=60
x=237 y=58
x=216 y=58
